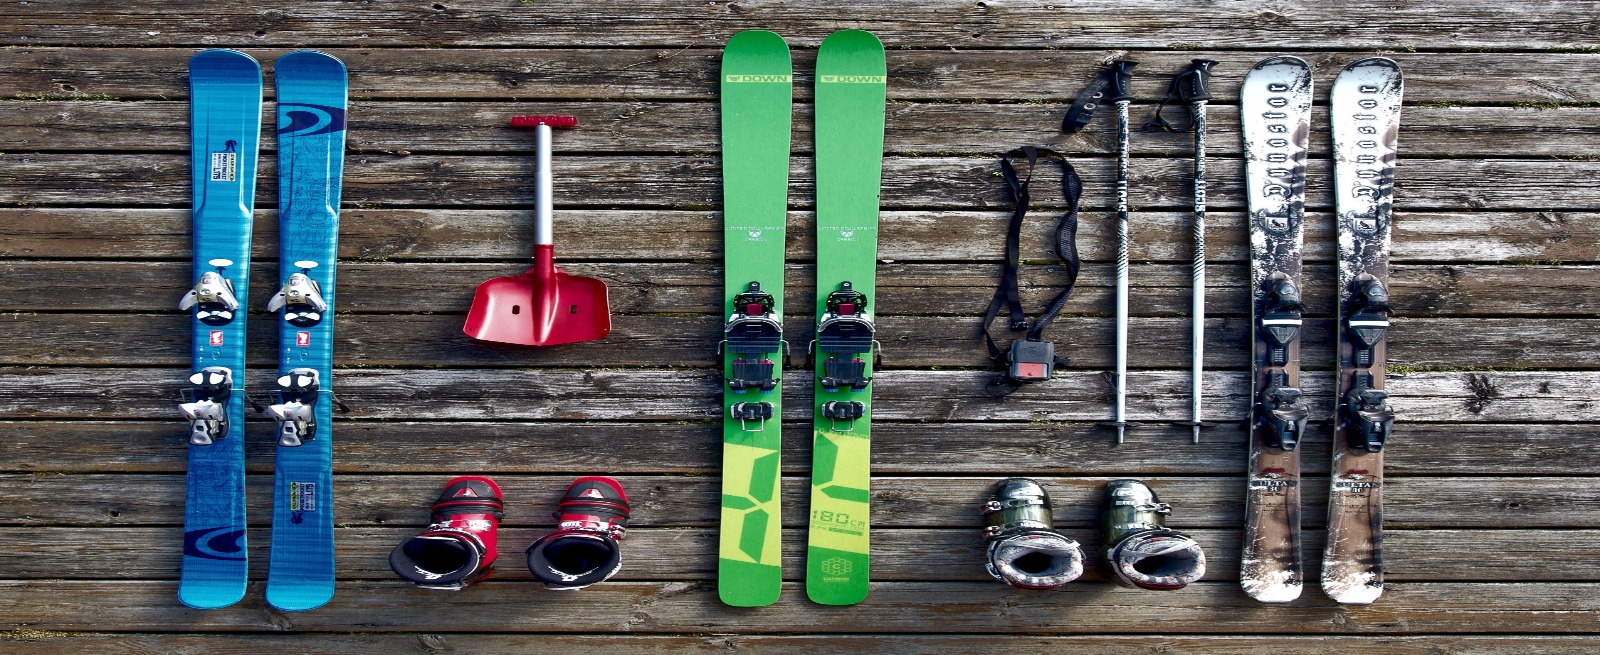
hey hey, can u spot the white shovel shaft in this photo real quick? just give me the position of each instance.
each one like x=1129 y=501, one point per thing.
x=542 y=189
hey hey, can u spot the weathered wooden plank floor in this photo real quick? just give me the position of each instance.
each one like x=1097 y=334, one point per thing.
x=1496 y=280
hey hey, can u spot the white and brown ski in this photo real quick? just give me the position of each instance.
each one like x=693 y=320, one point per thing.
x=1275 y=112
x=1365 y=112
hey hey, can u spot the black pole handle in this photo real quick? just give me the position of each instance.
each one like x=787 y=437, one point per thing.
x=1192 y=82
x=1122 y=73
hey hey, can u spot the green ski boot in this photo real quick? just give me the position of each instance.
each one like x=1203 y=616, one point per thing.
x=1138 y=549
x=1024 y=548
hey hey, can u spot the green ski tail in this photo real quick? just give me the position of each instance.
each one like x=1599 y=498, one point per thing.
x=756 y=109
x=850 y=88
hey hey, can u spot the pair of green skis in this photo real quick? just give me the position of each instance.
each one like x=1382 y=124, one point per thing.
x=756 y=114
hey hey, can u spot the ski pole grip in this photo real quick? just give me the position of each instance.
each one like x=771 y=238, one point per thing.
x=552 y=121
x=1193 y=86
x=1122 y=73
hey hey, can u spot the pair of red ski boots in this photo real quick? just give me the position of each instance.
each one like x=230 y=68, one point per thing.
x=458 y=548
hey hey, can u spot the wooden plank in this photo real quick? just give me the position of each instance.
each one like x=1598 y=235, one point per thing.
x=893 y=607
x=901 y=448
x=900 y=555
x=426 y=340
x=905 y=236
x=41 y=642
x=690 y=182
x=684 y=127
x=937 y=289
x=531 y=394
x=938 y=24
x=897 y=501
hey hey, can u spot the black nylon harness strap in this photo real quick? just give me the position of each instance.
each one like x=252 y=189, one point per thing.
x=1082 y=109
x=1008 y=293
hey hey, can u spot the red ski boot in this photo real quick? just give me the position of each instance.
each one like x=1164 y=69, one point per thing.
x=592 y=516
x=458 y=549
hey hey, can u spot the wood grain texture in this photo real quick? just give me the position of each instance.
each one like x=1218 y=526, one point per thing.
x=49 y=643
x=903 y=448
x=375 y=235
x=427 y=127
x=926 y=289
x=897 y=501
x=689 y=182
x=899 y=555
x=897 y=607
x=940 y=24
x=531 y=393
x=1496 y=342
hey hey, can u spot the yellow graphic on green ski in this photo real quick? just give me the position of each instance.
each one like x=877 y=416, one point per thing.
x=756 y=99
x=849 y=166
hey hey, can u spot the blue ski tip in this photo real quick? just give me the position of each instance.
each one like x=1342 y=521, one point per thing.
x=298 y=598
x=203 y=596
x=311 y=62
x=223 y=57
x=224 y=67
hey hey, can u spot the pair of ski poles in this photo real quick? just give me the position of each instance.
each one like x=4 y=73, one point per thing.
x=1190 y=87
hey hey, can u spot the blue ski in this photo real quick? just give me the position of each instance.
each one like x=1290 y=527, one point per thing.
x=224 y=128
x=311 y=107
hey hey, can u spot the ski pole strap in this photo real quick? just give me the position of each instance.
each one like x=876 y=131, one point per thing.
x=1113 y=78
x=1008 y=292
x=1188 y=87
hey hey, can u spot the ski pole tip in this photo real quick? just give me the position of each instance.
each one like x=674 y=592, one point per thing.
x=552 y=121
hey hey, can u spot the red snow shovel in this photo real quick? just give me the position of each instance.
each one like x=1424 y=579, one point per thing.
x=544 y=306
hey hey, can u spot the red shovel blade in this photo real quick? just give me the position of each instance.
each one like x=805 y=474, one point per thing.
x=541 y=307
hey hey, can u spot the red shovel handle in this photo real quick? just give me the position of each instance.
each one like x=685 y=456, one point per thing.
x=552 y=121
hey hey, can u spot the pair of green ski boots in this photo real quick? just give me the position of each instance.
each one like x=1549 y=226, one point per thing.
x=1137 y=548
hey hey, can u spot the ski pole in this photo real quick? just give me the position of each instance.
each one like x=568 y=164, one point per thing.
x=1122 y=97
x=1189 y=87
x=1194 y=90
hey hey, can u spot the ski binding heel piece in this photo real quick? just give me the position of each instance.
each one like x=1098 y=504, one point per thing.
x=300 y=298
x=295 y=409
x=1283 y=412
x=207 y=409
x=212 y=296
x=752 y=332
x=1368 y=410
x=844 y=333
x=1031 y=361
x=847 y=411
x=749 y=412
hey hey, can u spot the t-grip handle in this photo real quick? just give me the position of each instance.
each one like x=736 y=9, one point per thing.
x=543 y=188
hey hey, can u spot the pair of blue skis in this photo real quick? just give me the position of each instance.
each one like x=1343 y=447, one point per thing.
x=225 y=124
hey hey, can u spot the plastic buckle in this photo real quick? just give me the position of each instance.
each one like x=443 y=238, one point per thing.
x=1031 y=361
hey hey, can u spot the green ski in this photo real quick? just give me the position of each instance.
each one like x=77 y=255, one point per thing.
x=850 y=90
x=756 y=99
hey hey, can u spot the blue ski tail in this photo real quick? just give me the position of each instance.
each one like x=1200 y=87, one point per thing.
x=225 y=128
x=311 y=112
